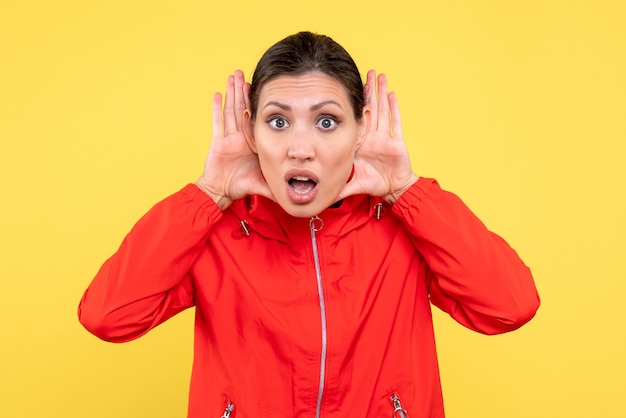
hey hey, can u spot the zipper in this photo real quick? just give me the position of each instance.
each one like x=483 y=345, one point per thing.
x=229 y=410
x=316 y=224
x=398 y=411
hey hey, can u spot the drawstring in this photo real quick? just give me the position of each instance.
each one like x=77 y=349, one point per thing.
x=243 y=230
x=244 y=227
x=379 y=211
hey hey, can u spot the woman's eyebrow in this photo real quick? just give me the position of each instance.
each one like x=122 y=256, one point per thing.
x=277 y=104
x=324 y=103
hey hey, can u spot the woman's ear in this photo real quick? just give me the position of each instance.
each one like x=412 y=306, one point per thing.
x=248 y=130
x=364 y=125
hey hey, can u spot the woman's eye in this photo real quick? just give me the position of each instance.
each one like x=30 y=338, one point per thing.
x=327 y=123
x=277 y=122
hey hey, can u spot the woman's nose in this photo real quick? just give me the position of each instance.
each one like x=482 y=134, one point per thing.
x=300 y=146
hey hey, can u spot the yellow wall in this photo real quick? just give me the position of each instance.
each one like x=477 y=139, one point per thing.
x=519 y=107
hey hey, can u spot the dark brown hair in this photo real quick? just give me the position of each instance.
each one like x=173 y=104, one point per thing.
x=306 y=52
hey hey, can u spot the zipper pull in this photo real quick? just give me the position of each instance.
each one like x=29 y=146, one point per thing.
x=316 y=224
x=398 y=411
x=228 y=410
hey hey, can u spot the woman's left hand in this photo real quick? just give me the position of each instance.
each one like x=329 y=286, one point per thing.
x=382 y=166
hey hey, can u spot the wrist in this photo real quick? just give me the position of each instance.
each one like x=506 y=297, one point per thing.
x=393 y=196
x=220 y=200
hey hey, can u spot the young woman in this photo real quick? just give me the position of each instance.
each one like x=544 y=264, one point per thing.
x=311 y=252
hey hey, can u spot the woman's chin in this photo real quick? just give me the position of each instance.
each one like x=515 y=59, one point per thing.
x=303 y=210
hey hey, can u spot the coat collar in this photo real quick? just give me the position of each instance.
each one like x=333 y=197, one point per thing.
x=268 y=219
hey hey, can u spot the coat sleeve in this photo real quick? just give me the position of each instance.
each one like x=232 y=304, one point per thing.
x=147 y=280
x=473 y=274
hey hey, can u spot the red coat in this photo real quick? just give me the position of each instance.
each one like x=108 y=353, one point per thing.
x=326 y=322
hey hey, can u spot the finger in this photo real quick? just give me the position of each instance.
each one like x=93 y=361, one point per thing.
x=383 y=104
x=396 y=121
x=230 y=124
x=370 y=98
x=370 y=86
x=240 y=101
x=246 y=96
x=218 y=126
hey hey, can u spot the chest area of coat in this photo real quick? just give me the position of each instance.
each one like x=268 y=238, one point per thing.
x=286 y=277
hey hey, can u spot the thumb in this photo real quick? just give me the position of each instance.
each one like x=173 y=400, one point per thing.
x=261 y=188
x=352 y=187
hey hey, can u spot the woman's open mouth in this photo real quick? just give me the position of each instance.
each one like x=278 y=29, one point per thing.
x=301 y=187
x=301 y=184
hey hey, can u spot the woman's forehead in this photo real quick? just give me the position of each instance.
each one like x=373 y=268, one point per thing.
x=309 y=86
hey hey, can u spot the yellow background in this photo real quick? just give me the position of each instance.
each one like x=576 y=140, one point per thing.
x=518 y=107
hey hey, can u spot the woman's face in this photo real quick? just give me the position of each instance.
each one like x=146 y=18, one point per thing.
x=306 y=137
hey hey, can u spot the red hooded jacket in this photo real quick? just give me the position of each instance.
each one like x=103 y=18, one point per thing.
x=321 y=317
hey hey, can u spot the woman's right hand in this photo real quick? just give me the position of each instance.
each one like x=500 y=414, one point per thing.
x=231 y=170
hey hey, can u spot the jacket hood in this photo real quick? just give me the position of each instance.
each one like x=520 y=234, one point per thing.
x=267 y=218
